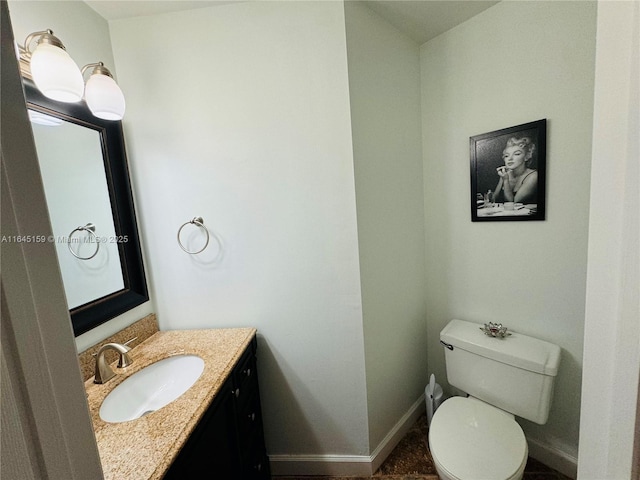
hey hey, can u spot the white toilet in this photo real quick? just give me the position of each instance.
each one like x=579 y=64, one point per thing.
x=477 y=437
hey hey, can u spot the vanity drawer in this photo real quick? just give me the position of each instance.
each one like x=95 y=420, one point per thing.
x=250 y=418
x=245 y=372
x=246 y=384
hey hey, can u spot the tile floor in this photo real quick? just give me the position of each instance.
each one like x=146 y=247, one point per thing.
x=410 y=460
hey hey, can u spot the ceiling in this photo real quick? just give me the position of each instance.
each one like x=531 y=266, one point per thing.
x=421 y=20
x=117 y=9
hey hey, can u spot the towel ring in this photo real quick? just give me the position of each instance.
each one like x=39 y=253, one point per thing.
x=91 y=229
x=198 y=222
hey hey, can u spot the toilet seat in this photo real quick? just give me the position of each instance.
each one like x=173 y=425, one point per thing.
x=472 y=440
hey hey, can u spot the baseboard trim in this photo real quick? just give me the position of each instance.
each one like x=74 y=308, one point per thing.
x=398 y=431
x=553 y=457
x=366 y=465
x=322 y=465
x=348 y=465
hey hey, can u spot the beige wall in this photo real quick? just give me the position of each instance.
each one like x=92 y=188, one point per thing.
x=514 y=63
x=384 y=89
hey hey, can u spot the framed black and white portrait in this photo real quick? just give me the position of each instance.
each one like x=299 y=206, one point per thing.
x=508 y=173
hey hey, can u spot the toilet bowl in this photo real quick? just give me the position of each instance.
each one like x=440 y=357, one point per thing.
x=472 y=440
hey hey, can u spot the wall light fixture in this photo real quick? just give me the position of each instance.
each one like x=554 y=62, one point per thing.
x=52 y=69
x=102 y=93
x=58 y=77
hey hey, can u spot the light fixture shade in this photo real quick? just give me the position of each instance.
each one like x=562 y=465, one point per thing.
x=55 y=74
x=104 y=97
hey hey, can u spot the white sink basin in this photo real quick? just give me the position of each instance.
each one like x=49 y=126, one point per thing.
x=151 y=388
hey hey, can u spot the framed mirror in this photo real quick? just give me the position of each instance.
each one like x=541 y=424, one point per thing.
x=86 y=180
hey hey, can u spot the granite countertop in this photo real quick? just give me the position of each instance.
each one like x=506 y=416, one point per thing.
x=144 y=448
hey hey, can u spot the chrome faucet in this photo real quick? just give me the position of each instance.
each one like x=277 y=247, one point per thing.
x=104 y=372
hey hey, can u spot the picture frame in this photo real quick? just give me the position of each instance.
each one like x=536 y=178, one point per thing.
x=508 y=173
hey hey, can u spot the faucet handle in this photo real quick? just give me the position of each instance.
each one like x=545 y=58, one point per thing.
x=125 y=359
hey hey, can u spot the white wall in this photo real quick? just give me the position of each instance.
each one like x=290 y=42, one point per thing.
x=612 y=330
x=85 y=35
x=240 y=114
x=514 y=63
x=384 y=86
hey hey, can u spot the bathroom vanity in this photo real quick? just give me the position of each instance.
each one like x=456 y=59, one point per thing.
x=214 y=427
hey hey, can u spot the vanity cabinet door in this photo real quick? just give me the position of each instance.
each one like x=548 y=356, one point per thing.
x=210 y=452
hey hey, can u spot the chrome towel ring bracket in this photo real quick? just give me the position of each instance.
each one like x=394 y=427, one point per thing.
x=90 y=228
x=198 y=222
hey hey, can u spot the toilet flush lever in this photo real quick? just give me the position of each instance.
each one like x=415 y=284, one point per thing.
x=448 y=345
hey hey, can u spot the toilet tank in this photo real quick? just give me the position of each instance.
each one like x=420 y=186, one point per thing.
x=515 y=373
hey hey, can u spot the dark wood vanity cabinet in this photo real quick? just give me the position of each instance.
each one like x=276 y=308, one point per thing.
x=228 y=442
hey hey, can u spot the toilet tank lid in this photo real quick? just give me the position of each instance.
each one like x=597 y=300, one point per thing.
x=517 y=350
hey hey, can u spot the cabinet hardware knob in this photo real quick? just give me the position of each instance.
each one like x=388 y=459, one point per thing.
x=252 y=416
x=258 y=467
x=247 y=372
x=237 y=392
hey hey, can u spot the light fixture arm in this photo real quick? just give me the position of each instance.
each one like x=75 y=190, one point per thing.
x=45 y=36
x=99 y=68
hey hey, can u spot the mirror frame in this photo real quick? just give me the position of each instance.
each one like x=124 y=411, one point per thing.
x=91 y=314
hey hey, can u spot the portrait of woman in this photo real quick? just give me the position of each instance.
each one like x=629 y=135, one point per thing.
x=518 y=181
x=508 y=173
